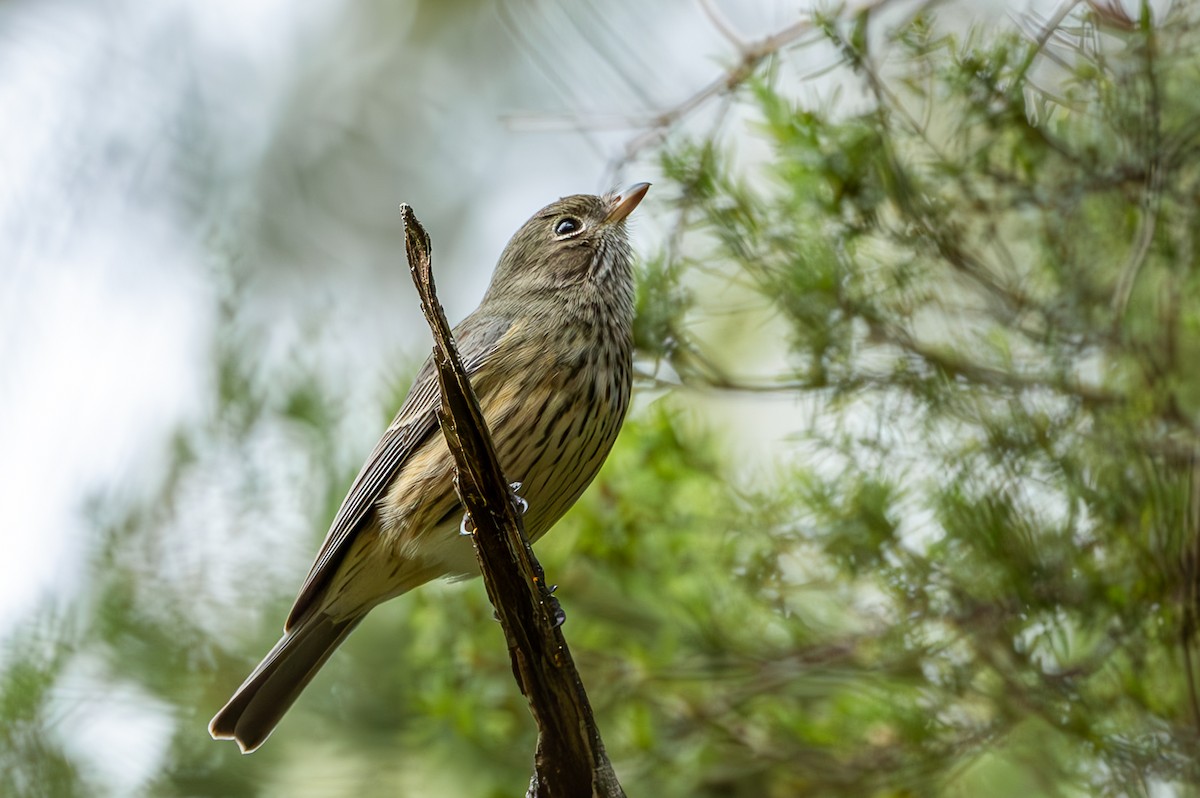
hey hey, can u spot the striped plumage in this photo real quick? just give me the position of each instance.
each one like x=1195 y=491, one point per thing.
x=549 y=351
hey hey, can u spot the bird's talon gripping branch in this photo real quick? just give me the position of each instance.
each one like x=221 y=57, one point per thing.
x=522 y=505
x=466 y=527
x=560 y=615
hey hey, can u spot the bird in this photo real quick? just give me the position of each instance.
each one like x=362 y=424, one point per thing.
x=549 y=352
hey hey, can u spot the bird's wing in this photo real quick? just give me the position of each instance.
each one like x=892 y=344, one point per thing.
x=477 y=337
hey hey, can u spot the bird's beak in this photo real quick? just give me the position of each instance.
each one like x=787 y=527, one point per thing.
x=621 y=205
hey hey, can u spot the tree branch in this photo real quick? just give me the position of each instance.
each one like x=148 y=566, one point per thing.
x=570 y=760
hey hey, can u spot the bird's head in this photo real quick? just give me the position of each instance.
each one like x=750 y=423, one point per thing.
x=577 y=242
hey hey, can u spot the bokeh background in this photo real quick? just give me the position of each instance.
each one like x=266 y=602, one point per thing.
x=819 y=561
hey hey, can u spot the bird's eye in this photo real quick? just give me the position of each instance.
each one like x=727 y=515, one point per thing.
x=567 y=225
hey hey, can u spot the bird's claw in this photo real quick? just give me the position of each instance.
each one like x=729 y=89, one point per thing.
x=522 y=505
x=556 y=610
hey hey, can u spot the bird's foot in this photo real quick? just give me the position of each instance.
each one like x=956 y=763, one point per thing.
x=522 y=505
x=556 y=610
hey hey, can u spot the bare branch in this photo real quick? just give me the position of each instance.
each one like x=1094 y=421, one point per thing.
x=722 y=24
x=752 y=55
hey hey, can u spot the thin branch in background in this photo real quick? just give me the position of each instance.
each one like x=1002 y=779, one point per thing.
x=1042 y=30
x=751 y=56
x=1152 y=197
x=722 y=24
x=655 y=127
x=1111 y=13
x=529 y=122
x=517 y=31
x=1191 y=582
x=629 y=63
x=1147 y=225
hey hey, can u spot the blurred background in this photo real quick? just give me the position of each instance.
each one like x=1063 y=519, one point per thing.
x=905 y=504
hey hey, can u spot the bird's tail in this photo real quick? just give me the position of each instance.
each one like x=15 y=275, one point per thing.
x=257 y=706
